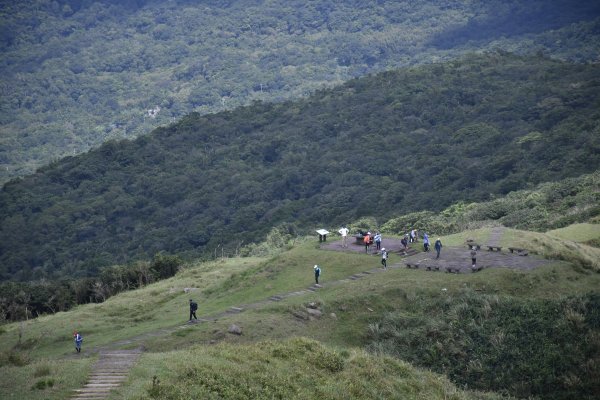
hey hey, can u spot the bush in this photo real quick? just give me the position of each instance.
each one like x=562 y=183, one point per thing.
x=524 y=347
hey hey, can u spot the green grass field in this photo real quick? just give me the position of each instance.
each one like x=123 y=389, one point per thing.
x=196 y=360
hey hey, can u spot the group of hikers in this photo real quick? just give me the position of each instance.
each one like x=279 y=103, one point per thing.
x=412 y=237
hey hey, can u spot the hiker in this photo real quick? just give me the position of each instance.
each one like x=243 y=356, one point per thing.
x=367 y=240
x=384 y=256
x=412 y=236
x=78 y=339
x=404 y=242
x=344 y=232
x=193 y=308
x=378 y=241
x=473 y=257
x=317 y=274
x=438 y=247
x=425 y=241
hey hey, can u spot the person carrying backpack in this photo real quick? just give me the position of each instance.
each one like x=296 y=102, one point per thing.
x=193 y=308
x=384 y=257
x=317 y=273
x=78 y=339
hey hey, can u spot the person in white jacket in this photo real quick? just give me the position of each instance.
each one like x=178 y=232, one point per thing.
x=344 y=232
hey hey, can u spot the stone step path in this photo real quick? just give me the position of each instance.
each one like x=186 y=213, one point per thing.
x=107 y=374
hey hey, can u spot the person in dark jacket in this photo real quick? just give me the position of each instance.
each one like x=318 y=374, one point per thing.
x=438 y=247
x=317 y=273
x=193 y=308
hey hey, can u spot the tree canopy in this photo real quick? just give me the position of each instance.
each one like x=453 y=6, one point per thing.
x=76 y=73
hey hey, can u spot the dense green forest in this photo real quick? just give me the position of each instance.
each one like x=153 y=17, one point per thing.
x=400 y=141
x=76 y=73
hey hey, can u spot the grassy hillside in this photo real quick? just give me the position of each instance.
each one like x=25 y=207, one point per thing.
x=397 y=142
x=439 y=312
x=82 y=72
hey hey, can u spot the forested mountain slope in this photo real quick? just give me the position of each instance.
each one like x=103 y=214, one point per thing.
x=399 y=141
x=75 y=73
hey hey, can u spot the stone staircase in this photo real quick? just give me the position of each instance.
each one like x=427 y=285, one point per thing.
x=107 y=374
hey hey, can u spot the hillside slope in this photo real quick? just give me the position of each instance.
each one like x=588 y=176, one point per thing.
x=468 y=326
x=76 y=73
x=400 y=141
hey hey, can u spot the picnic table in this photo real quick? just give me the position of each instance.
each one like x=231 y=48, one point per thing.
x=520 y=251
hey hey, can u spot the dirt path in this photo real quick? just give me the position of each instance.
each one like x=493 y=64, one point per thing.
x=496 y=236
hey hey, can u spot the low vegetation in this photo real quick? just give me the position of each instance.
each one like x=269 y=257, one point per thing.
x=546 y=348
x=293 y=369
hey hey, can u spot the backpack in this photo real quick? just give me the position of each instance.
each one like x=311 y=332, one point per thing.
x=193 y=306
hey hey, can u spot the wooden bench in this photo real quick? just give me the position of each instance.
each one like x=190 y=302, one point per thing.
x=477 y=268
x=412 y=265
x=494 y=248
x=521 y=252
x=432 y=267
x=451 y=269
x=470 y=246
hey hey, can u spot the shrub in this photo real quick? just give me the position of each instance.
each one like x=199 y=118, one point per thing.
x=524 y=347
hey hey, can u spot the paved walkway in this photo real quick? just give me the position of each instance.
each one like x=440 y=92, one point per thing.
x=108 y=373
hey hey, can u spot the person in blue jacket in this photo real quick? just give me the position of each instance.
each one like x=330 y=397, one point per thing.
x=78 y=339
x=377 y=241
x=426 y=241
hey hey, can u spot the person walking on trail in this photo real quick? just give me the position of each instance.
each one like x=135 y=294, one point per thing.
x=193 y=308
x=384 y=257
x=367 y=240
x=473 y=258
x=438 y=247
x=344 y=232
x=378 y=241
x=425 y=242
x=412 y=236
x=404 y=242
x=78 y=339
x=317 y=273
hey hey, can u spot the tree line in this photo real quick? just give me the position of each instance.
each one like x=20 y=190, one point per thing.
x=24 y=300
